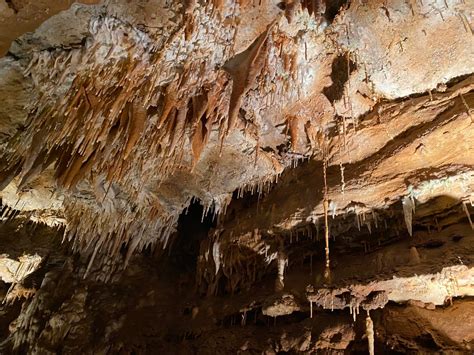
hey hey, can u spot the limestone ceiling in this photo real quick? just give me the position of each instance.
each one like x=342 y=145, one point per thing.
x=116 y=115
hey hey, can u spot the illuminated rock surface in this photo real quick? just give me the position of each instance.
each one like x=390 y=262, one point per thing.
x=236 y=176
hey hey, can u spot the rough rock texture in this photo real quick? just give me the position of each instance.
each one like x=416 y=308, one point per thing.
x=277 y=160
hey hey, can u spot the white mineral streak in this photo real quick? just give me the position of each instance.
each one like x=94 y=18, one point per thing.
x=453 y=281
x=450 y=282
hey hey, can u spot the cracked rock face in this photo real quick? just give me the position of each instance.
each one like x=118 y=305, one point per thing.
x=282 y=162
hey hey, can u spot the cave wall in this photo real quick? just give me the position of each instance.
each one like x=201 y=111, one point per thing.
x=254 y=174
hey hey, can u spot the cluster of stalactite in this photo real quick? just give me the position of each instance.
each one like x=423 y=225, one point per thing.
x=118 y=116
x=239 y=261
x=235 y=266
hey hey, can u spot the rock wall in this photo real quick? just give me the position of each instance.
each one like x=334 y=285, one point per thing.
x=329 y=144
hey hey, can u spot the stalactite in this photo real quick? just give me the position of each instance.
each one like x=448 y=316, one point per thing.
x=107 y=128
x=293 y=128
x=375 y=218
x=119 y=128
x=19 y=270
x=333 y=209
x=357 y=217
x=326 y=221
x=369 y=226
x=468 y=215
x=408 y=211
x=343 y=184
x=136 y=125
x=244 y=68
x=354 y=305
x=216 y=254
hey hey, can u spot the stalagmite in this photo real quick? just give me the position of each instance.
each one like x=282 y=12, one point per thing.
x=244 y=318
x=282 y=262
x=369 y=331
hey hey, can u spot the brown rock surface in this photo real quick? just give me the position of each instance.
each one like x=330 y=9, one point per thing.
x=203 y=161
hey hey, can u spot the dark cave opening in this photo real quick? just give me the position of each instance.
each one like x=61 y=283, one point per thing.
x=193 y=227
x=333 y=7
x=342 y=67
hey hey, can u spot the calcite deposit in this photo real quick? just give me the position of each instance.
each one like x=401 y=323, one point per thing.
x=236 y=176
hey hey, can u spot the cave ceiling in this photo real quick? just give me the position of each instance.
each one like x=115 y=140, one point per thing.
x=302 y=128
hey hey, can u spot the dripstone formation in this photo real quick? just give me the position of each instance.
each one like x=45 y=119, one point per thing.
x=236 y=176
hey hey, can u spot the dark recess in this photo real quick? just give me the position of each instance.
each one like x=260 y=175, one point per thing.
x=192 y=228
x=341 y=68
x=12 y=6
x=333 y=7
